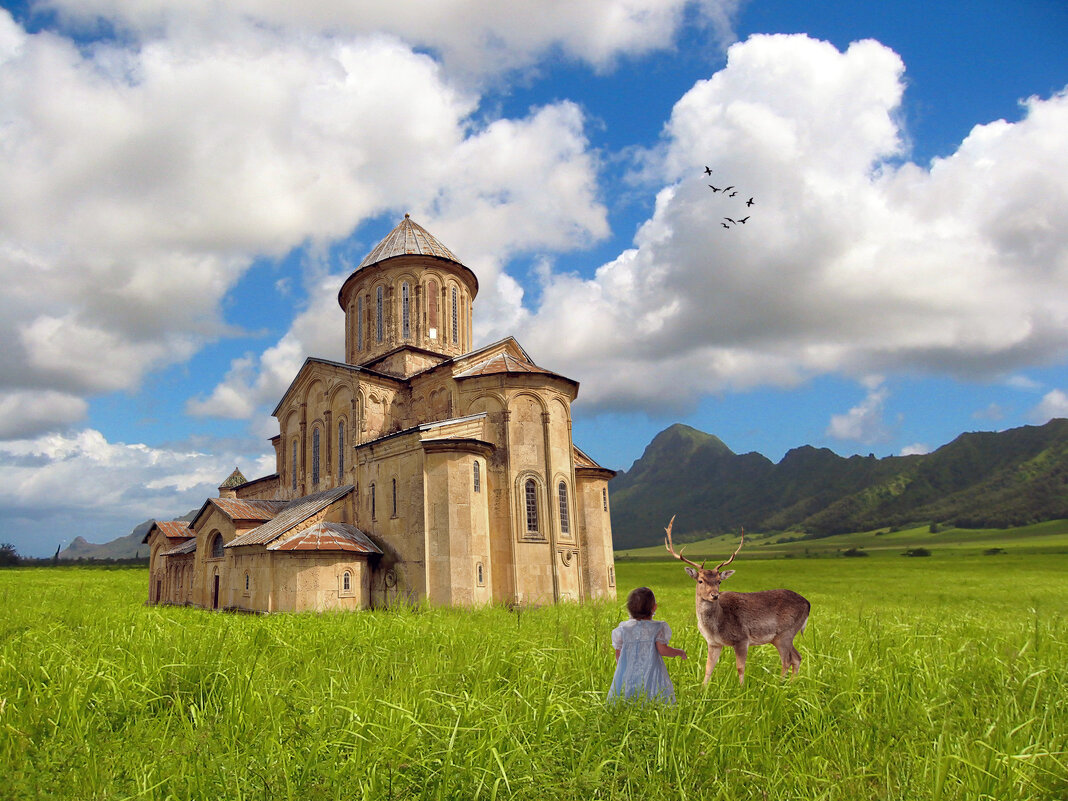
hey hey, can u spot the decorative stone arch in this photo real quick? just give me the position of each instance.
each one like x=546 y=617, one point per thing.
x=406 y=318
x=564 y=505
x=314 y=457
x=530 y=513
x=215 y=543
x=380 y=292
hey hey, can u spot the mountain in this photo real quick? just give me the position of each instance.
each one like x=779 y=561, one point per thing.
x=126 y=547
x=979 y=479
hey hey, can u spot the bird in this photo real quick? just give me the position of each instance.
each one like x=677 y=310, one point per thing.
x=744 y=219
x=725 y=225
x=708 y=170
x=714 y=188
x=728 y=219
x=749 y=202
x=728 y=188
x=732 y=194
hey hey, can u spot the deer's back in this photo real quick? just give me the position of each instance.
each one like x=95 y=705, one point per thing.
x=753 y=617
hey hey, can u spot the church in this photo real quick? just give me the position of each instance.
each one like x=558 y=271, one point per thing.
x=417 y=470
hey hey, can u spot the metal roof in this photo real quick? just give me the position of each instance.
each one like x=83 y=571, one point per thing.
x=501 y=363
x=241 y=509
x=407 y=238
x=292 y=514
x=172 y=529
x=325 y=536
x=189 y=546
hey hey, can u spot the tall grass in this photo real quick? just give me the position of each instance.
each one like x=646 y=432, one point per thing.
x=918 y=682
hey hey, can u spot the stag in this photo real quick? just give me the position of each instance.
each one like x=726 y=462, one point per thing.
x=741 y=619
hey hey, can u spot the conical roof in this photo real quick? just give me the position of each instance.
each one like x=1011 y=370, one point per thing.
x=407 y=238
x=235 y=479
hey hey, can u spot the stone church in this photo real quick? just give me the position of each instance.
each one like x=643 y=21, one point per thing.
x=417 y=469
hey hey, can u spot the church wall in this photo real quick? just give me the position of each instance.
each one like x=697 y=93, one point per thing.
x=311 y=581
x=261 y=490
x=595 y=530
x=558 y=434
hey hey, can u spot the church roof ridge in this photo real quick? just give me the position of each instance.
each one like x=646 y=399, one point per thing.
x=407 y=238
x=293 y=513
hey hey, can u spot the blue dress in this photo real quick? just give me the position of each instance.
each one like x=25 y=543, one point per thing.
x=640 y=671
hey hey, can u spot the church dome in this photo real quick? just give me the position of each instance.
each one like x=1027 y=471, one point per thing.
x=407 y=239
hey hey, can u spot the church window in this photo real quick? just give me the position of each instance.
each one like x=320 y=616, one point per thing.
x=565 y=520
x=379 y=327
x=406 y=326
x=394 y=497
x=611 y=577
x=530 y=492
x=432 y=309
x=315 y=456
x=604 y=498
x=480 y=575
x=217 y=547
x=478 y=477
x=247 y=582
x=373 y=502
x=455 y=316
x=359 y=323
x=294 y=470
x=340 y=450
x=346 y=581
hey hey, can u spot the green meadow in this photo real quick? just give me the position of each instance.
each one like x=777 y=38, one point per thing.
x=923 y=678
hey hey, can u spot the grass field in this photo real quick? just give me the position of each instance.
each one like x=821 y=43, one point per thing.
x=938 y=678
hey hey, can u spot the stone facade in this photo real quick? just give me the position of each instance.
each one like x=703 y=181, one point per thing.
x=419 y=469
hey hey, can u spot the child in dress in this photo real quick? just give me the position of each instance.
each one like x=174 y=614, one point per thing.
x=641 y=643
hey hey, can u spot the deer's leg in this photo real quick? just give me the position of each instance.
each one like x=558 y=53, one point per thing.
x=741 y=650
x=713 y=657
x=795 y=660
x=786 y=656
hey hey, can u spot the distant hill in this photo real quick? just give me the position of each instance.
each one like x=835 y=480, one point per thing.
x=991 y=480
x=126 y=547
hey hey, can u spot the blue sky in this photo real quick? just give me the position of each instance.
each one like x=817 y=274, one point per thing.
x=186 y=185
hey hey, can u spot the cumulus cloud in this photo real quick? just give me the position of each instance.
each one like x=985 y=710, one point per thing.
x=864 y=422
x=26 y=414
x=475 y=38
x=104 y=488
x=143 y=182
x=853 y=260
x=916 y=449
x=1053 y=404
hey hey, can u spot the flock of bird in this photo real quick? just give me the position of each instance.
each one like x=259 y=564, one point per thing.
x=729 y=191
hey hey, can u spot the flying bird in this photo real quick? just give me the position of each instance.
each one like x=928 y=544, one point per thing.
x=728 y=188
x=714 y=188
x=725 y=225
x=744 y=219
x=728 y=219
x=708 y=170
x=732 y=194
x=749 y=202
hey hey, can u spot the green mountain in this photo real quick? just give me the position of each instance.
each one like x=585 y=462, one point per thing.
x=126 y=547
x=980 y=480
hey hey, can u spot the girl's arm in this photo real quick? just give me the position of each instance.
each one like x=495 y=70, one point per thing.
x=617 y=654
x=664 y=649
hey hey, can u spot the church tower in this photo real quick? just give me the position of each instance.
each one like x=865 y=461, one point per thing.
x=408 y=304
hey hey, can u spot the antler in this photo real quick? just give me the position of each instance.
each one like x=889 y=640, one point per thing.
x=671 y=550
x=731 y=559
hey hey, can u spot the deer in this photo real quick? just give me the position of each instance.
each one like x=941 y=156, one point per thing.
x=741 y=619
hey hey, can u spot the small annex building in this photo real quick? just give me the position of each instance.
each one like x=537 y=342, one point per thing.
x=418 y=469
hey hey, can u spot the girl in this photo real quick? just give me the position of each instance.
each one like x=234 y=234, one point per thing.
x=641 y=643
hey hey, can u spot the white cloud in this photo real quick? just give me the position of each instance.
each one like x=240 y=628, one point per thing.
x=993 y=411
x=851 y=261
x=864 y=422
x=478 y=38
x=916 y=449
x=1053 y=404
x=104 y=488
x=25 y=414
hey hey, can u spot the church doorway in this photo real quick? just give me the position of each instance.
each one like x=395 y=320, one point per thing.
x=215 y=592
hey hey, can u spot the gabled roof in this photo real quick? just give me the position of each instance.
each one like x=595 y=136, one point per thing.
x=291 y=515
x=189 y=546
x=172 y=529
x=342 y=365
x=408 y=238
x=502 y=363
x=325 y=536
x=239 y=509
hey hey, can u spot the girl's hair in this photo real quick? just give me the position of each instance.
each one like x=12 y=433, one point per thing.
x=640 y=603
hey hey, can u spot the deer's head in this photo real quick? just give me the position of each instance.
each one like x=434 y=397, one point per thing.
x=708 y=581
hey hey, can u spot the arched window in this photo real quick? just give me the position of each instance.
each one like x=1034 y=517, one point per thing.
x=294 y=460
x=340 y=450
x=394 y=497
x=565 y=519
x=379 y=326
x=246 y=581
x=217 y=547
x=455 y=316
x=406 y=327
x=530 y=493
x=480 y=576
x=604 y=498
x=359 y=323
x=478 y=477
x=432 y=309
x=346 y=581
x=315 y=456
x=373 y=502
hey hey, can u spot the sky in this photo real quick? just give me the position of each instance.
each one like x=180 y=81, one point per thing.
x=185 y=184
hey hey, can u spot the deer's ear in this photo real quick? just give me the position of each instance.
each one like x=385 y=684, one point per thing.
x=692 y=573
x=726 y=574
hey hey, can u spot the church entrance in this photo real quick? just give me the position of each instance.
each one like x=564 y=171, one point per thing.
x=215 y=592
